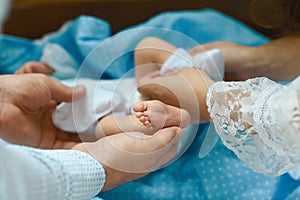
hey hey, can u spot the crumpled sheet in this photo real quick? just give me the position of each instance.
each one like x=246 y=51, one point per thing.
x=220 y=175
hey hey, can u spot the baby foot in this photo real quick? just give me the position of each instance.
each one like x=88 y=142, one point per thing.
x=156 y=115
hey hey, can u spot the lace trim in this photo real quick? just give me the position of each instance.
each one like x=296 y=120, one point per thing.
x=239 y=110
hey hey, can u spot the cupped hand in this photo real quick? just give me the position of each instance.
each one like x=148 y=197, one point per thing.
x=27 y=103
x=129 y=156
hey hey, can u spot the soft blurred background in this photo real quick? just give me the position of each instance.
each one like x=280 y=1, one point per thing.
x=33 y=18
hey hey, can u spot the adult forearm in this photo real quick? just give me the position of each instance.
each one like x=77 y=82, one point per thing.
x=278 y=60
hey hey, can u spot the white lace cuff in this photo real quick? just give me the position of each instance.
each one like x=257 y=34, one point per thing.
x=257 y=120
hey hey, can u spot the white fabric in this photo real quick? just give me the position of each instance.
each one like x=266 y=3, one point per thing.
x=27 y=173
x=295 y=173
x=260 y=121
x=102 y=99
x=179 y=59
x=60 y=61
x=212 y=62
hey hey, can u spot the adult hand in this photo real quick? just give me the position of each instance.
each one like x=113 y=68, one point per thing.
x=27 y=103
x=129 y=156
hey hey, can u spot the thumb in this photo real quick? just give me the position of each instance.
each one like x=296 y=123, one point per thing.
x=63 y=93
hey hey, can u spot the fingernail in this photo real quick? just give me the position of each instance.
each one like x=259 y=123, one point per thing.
x=78 y=92
x=79 y=89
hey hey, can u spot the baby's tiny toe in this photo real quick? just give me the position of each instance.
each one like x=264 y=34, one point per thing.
x=146 y=123
x=138 y=107
x=139 y=114
x=143 y=119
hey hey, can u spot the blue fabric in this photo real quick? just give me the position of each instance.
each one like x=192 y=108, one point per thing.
x=78 y=38
x=220 y=175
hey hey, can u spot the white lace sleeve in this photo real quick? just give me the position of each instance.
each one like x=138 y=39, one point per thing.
x=259 y=120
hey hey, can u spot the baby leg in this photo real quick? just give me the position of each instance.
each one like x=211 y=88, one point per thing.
x=187 y=89
x=150 y=54
x=156 y=115
x=110 y=125
x=151 y=116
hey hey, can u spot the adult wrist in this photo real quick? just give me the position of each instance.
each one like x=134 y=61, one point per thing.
x=277 y=59
x=254 y=63
x=257 y=62
x=113 y=177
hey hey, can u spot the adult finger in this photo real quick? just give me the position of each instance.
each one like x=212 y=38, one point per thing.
x=134 y=152
x=38 y=67
x=63 y=93
x=20 y=71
